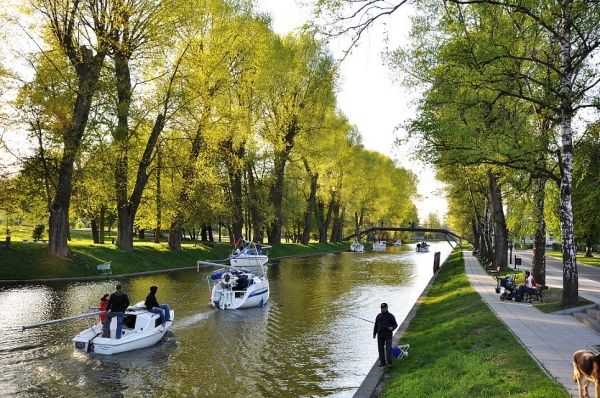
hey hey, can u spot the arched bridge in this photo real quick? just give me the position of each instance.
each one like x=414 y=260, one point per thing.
x=448 y=235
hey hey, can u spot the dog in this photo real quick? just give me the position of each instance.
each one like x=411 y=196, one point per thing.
x=586 y=368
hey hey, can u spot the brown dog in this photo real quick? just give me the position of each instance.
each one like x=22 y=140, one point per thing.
x=586 y=366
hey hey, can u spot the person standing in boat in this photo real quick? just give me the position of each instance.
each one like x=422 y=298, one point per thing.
x=117 y=304
x=385 y=324
x=103 y=305
x=152 y=305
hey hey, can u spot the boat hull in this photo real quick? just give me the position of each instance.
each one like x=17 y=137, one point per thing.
x=248 y=261
x=146 y=332
x=256 y=295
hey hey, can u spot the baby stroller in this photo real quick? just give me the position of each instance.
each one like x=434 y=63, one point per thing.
x=510 y=288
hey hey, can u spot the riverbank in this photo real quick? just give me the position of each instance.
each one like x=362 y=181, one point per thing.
x=460 y=348
x=24 y=262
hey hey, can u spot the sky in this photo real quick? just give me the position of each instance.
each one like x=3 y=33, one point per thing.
x=368 y=96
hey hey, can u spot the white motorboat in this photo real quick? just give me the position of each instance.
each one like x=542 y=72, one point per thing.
x=397 y=243
x=141 y=329
x=357 y=247
x=235 y=288
x=250 y=256
x=379 y=245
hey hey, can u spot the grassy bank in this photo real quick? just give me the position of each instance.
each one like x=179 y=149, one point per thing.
x=459 y=348
x=30 y=261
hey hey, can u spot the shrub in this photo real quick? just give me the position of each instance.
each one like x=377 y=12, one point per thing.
x=38 y=232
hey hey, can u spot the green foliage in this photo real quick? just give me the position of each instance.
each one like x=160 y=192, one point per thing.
x=38 y=232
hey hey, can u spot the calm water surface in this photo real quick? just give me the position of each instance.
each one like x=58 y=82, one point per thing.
x=306 y=342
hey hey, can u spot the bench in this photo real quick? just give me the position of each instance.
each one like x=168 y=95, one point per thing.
x=105 y=268
x=535 y=296
x=495 y=272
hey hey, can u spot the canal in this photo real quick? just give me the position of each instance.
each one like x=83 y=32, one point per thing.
x=305 y=342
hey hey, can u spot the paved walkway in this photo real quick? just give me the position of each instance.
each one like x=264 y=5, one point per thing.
x=551 y=339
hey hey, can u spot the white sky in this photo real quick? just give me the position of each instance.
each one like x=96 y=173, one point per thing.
x=368 y=96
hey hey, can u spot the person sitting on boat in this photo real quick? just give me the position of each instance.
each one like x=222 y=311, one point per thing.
x=103 y=305
x=152 y=306
x=242 y=282
x=116 y=306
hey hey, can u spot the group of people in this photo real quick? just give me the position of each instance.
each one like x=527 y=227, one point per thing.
x=117 y=303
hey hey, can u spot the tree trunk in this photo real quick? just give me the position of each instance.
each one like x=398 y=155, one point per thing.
x=538 y=263
x=102 y=211
x=94 y=225
x=276 y=197
x=310 y=204
x=87 y=66
x=338 y=223
x=499 y=224
x=157 y=231
x=324 y=227
x=175 y=235
x=570 y=274
x=142 y=234
x=256 y=218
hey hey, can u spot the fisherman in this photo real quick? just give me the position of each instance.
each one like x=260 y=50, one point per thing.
x=385 y=324
x=117 y=304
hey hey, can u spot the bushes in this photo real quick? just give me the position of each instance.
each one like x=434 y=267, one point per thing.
x=38 y=232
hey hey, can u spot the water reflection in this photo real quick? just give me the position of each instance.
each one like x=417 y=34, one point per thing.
x=306 y=341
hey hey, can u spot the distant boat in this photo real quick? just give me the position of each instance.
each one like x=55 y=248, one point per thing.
x=422 y=247
x=398 y=243
x=379 y=246
x=250 y=256
x=357 y=247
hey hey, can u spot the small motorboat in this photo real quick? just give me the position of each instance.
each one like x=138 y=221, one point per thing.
x=379 y=245
x=397 y=243
x=357 y=247
x=141 y=329
x=235 y=288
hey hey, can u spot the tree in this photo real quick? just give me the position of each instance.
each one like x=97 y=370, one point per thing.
x=300 y=77
x=69 y=23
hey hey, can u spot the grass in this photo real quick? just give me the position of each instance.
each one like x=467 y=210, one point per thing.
x=553 y=299
x=581 y=258
x=459 y=348
x=30 y=261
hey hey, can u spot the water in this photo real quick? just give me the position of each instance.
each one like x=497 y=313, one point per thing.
x=305 y=342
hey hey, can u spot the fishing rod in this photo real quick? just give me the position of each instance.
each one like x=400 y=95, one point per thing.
x=366 y=320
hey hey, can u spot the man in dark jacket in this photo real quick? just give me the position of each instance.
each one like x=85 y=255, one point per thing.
x=385 y=324
x=152 y=305
x=117 y=304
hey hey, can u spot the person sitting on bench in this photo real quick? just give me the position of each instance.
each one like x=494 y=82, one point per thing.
x=528 y=287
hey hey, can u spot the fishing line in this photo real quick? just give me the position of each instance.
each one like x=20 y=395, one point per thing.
x=366 y=320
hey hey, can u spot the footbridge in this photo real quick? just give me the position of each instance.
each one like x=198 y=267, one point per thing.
x=450 y=236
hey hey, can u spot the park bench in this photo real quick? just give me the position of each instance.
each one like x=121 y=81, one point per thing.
x=105 y=268
x=537 y=295
x=496 y=272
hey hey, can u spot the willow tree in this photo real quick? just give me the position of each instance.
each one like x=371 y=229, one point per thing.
x=217 y=54
x=298 y=80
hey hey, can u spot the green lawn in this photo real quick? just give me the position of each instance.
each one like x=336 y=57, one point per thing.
x=459 y=348
x=30 y=261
